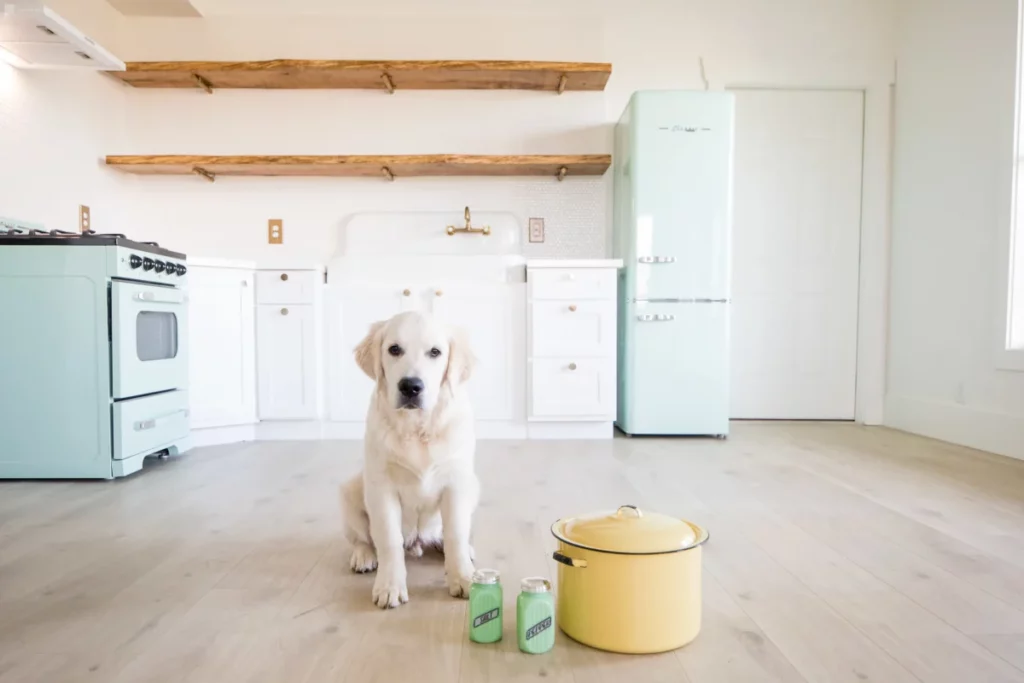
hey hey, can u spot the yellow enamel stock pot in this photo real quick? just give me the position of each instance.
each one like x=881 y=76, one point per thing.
x=629 y=581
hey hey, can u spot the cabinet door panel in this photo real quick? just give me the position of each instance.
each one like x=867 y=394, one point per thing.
x=491 y=316
x=352 y=310
x=222 y=367
x=286 y=362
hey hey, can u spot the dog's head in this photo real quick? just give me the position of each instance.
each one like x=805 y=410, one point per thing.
x=414 y=359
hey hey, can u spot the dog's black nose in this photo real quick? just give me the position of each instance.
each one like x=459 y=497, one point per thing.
x=410 y=386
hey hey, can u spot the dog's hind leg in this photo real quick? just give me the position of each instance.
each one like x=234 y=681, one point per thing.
x=357 y=526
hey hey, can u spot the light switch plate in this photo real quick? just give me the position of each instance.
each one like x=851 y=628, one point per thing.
x=275 y=231
x=536 y=229
x=84 y=218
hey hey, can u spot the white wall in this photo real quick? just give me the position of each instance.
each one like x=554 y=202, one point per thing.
x=951 y=198
x=55 y=128
x=651 y=44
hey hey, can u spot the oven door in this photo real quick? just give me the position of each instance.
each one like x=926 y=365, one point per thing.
x=148 y=334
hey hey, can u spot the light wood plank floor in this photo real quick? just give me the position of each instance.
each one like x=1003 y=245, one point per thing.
x=838 y=553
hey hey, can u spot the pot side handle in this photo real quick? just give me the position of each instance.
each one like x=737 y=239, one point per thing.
x=569 y=561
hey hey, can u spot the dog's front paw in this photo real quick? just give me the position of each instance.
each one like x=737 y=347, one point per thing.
x=459 y=582
x=363 y=559
x=389 y=592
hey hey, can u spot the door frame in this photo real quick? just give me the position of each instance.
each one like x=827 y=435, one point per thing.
x=875 y=216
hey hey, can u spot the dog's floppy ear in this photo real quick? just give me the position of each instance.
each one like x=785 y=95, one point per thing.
x=461 y=360
x=368 y=351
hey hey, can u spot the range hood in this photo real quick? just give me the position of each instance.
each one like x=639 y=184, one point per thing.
x=35 y=37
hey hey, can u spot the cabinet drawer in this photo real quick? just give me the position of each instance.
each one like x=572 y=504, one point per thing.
x=583 y=328
x=582 y=389
x=285 y=286
x=148 y=424
x=572 y=283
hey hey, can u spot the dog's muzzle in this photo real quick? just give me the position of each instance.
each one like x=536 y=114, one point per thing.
x=410 y=389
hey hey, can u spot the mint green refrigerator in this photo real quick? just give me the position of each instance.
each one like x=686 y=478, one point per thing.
x=672 y=219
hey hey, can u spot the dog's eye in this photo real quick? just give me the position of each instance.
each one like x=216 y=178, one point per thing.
x=435 y=352
x=395 y=350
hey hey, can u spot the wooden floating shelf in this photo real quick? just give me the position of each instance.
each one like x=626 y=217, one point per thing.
x=388 y=167
x=387 y=76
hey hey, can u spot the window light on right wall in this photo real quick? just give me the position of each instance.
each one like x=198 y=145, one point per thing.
x=1011 y=244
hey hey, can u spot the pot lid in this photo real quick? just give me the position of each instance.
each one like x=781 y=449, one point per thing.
x=629 y=530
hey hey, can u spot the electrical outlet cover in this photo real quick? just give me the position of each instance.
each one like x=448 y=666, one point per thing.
x=536 y=229
x=275 y=231
x=84 y=218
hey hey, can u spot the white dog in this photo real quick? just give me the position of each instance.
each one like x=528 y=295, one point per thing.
x=418 y=487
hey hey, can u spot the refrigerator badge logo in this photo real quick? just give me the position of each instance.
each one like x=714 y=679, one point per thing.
x=684 y=129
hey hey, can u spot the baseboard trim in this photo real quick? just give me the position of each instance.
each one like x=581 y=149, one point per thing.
x=570 y=430
x=219 y=436
x=314 y=430
x=983 y=430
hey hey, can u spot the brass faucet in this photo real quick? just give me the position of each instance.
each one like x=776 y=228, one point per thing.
x=485 y=230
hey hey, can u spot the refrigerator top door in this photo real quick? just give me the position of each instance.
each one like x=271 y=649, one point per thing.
x=681 y=182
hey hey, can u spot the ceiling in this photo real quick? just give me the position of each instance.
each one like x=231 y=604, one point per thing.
x=241 y=8
x=155 y=8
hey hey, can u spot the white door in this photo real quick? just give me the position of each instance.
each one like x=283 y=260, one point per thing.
x=286 y=362
x=796 y=244
x=488 y=315
x=222 y=366
x=352 y=309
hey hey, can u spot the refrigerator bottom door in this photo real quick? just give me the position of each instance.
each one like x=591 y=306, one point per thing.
x=674 y=376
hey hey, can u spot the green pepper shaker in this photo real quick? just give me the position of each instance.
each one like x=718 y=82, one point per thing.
x=535 y=616
x=485 y=606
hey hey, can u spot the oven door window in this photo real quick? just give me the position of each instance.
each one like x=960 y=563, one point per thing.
x=156 y=335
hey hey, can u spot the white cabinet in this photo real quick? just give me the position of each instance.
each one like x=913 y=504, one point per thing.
x=222 y=367
x=286 y=362
x=287 y=286
x=571 y=344
x=490 y=314
x=352 y=309
x=580 y=390
x=287 y=344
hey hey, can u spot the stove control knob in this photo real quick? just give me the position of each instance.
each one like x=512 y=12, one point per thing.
x=147 y=263
x=135 y=261
x=159 y=267
x=182 y=269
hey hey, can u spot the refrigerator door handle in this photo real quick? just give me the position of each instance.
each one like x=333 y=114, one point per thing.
x=656 y=259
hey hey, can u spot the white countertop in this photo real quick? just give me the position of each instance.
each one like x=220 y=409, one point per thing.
x=202 y=261
x=573 y=263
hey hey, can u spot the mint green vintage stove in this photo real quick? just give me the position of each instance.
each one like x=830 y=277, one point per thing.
x=93 y=361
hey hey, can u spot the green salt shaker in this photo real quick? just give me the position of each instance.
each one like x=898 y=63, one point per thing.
x=535 y=616
x=485 y=606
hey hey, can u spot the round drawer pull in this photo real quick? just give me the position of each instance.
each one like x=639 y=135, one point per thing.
x=570 y=277
x=284 y=277
x=439 y=293
x=245 y=283
x=572 y=308
x=284 y=311
x=406 y=292
x=572 y=366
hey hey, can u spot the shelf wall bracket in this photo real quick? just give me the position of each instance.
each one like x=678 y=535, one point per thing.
x=202 y=172
x=562 y=80
x=561 y=173
x=387 y=173
x=203 y=83
x=388 y=83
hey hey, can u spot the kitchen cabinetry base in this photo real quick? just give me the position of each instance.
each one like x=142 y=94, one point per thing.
x=314 y=430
